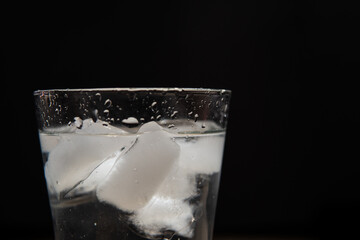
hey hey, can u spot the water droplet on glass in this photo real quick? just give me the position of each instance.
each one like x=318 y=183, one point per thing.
x=196 y=116
x=203 y=125
x=106 y=112
x=95 y=224
x=98 y=96
x=153 y=104
x=171 y=125
x=225 y=107
x=130 y=120
x=108 y=103
x=78 y=122
x=173 y=114
x=95 y=115
x=158 y=117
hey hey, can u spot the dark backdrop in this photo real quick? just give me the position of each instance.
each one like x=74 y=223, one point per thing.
x=290 y=163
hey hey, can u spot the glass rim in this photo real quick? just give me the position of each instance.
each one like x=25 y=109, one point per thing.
x=136 y=89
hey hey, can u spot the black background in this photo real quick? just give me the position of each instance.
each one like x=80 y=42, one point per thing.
x=290 y=164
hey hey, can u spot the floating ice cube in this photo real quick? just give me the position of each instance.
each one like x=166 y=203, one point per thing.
x=48 y=142
x=179 y=184
x=150 y=127
x=77 y=155
x=201 y=155
x=96 y=176
x=165 y=213
x=138 y=173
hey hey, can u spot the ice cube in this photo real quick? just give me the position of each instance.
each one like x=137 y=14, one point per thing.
x=150 y=127
x=77 y=155
x=165 y=213
x=179 y=184
x=201 y=155
x=138 y=173
x=96 y=176
x=48 y=142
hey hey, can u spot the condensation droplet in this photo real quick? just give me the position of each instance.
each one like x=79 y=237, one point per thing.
x=106 y=112
x=130 y=120
x=98 y=95
x=78 y=122
x=196 y=116
x=95 y=113
x=108 y=103
x=153 y=104
x=225 y=108
x=173 y=114
x=171 y=125
x=203 y=125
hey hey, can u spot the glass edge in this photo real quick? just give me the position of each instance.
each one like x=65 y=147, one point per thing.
x=135 y=89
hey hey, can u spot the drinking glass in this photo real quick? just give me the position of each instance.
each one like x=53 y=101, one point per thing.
x=132 y=163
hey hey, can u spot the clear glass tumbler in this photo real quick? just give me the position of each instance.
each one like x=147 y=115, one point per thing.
x=132 y=163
